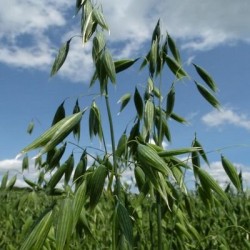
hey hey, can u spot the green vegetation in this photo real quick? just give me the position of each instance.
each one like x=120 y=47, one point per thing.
x=194 y=226
x=95 y=208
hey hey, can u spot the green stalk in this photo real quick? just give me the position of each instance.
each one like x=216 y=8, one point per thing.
x=158 y=198
x=112 y=134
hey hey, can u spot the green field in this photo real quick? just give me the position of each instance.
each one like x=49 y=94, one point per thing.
x=216 y=225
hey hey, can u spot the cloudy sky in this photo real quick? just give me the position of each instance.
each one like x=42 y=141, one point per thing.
x=214 y=34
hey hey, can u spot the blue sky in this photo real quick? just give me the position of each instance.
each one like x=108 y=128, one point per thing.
x=213 y=34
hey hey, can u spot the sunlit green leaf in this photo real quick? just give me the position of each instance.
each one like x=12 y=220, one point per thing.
x=207 y=95
x=99 y=17
x=202 y=153
x=4 y=180
x=208 y=181
x=206 y=77
x=179 y=151
x=69 y=169
x=95 y=126
x=125 y=223
x=98 y=45
x=97 y=184
x=109 y=66
x=56 y=157
x=231 y=172
x=178 y=118
x=149 y=115
x=122 y=145
x=11 y=183
x=80 y=169
x=124 y=64
x=170 y=101
x=25 y=163
x=173 y=48
x=124 y=100
x=36 y=238
x=153 y=57
x=60 y=58
x=64 y=224
x=175 y=67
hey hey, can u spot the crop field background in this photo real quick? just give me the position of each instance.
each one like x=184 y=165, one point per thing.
x=214 y=226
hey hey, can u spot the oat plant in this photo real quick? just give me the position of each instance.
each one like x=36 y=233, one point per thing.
x=94 y=200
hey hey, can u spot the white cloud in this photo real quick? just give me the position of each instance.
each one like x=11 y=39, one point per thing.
x=25 y=26
x=225 y=116
x=28 y=28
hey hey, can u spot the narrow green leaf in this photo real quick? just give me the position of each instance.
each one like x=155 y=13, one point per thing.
x=170 y=101
x=164 y=127
x=202 y=153
x=80 y=169
x=173 y=48
x=206 y=77
x=149 y=115
x=4 y=180
x=139 y=177
x=178 y=118
x=109 y=66
x=99 y=18
x=156 y=35
x=11 y=183
x=30 y=127
x=122 y=145
x=77 y=129
x=79 y=4
x=98 y=45
x=69 y=169
x=124 y=64
x=88 y=24
x=182 y=230
x=150 y=85
x=97 y=184
x=125 y=223
x=56 y=157
x=63 y=131
x=149 y=157
x=145 y=61
x=175 y=67
x=208 y=182
x=30 y=183
x=95 y=125
x=153 y=57
x=177 y=162
x=231 y=172
x=179 y=151
x=64 y=224
x=59 y=115
x=60 y=58
x=37 y=237
x=124 y=100
x=157 y=93
x=25 y=163
x=56 y=177
x=78 y=202
x=207 y=95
